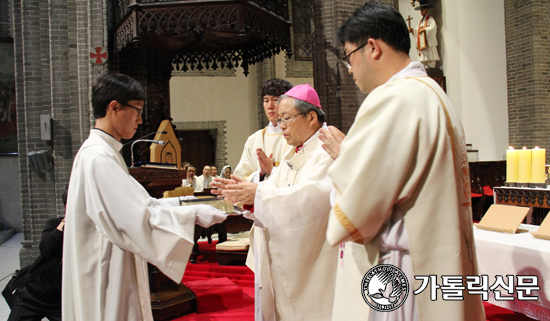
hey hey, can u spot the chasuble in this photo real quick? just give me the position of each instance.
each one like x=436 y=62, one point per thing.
x=112 y=229
x=294 y=265
x=270 y=140
x=408 y=155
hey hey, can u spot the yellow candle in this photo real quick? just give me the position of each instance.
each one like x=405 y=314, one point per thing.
x=537 y=165
x=524 y=172
x=512 y=165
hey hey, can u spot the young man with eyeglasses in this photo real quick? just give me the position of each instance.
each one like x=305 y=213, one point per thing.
x=112 y=226
x=407 y=203
x=264 y=149
x=295 y=268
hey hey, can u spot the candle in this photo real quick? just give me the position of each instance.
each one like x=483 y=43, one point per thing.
x=538 y=160
x=512 y=165
x=524 y=171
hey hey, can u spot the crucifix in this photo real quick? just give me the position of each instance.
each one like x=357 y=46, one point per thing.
x=409 y=20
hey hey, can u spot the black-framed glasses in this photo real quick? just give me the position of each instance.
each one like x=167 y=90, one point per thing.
x=346 y=57
x=285 y=120
x=139 y=110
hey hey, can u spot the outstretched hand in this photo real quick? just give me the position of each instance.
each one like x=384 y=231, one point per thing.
x=332 y=139
x=236 y=190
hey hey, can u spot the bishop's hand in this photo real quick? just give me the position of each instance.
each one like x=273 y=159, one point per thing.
x=241 y=192
x=219 y=185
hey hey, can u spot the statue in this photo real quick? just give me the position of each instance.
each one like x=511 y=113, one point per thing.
x=426 y=40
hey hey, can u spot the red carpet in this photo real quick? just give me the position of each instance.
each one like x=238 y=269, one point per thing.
x=227 y=292
x=223 y=292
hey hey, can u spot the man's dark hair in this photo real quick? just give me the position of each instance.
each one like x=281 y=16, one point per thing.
x=378 y=21
x=275 y=87
x=109 y=87
x=64 y=195
x=304 y=108
x=191 y=165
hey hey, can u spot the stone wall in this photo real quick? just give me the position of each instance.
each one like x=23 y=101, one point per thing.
x=53 y=73
x=339 y=95
x=528 y=68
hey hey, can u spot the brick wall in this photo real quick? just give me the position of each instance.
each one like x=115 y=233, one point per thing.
x=53 y=74
x=528 y=71
x=5 y=19
x=265 y=70
x=338 y=93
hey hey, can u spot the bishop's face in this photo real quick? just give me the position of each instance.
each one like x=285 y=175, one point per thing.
x=295 y=127
x=214 y=171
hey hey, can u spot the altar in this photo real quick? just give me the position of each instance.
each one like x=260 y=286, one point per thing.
x=516 y=254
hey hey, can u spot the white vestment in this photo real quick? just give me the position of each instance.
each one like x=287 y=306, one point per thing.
x=429 y=55
x=270 y=140
x=295 y=267
x=407 y=151
x=193 y=183
x=203 y=182
x=112 y=229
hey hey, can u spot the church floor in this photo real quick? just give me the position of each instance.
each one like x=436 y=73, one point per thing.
x=9 y=262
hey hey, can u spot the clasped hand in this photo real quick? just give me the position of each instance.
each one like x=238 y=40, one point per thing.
x=332 y=139
x=236 y=190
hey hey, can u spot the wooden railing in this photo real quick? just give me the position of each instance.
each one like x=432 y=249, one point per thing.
x=277 y=7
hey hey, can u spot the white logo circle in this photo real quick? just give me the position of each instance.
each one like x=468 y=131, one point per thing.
x=385 y=287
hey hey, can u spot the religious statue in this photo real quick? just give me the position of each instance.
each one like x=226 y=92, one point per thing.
x=426 y=40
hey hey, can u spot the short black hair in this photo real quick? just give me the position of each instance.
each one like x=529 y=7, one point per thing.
x=378 y=21
x=275 y=87
x=111 y=86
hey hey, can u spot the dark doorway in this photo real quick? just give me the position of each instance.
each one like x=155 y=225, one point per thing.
x=198 y=147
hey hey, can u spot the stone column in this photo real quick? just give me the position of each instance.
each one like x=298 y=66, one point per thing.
x=339 y=95
x=53 y=74
x=528 y=71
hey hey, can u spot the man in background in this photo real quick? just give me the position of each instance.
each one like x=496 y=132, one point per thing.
x=213 y=171
x=204 y=180
x=190 y=179
x=41 y=295
x=265 y=148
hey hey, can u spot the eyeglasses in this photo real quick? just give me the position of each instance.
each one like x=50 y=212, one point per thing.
x=139 y=110
x=285 y=120
x=346 y=57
